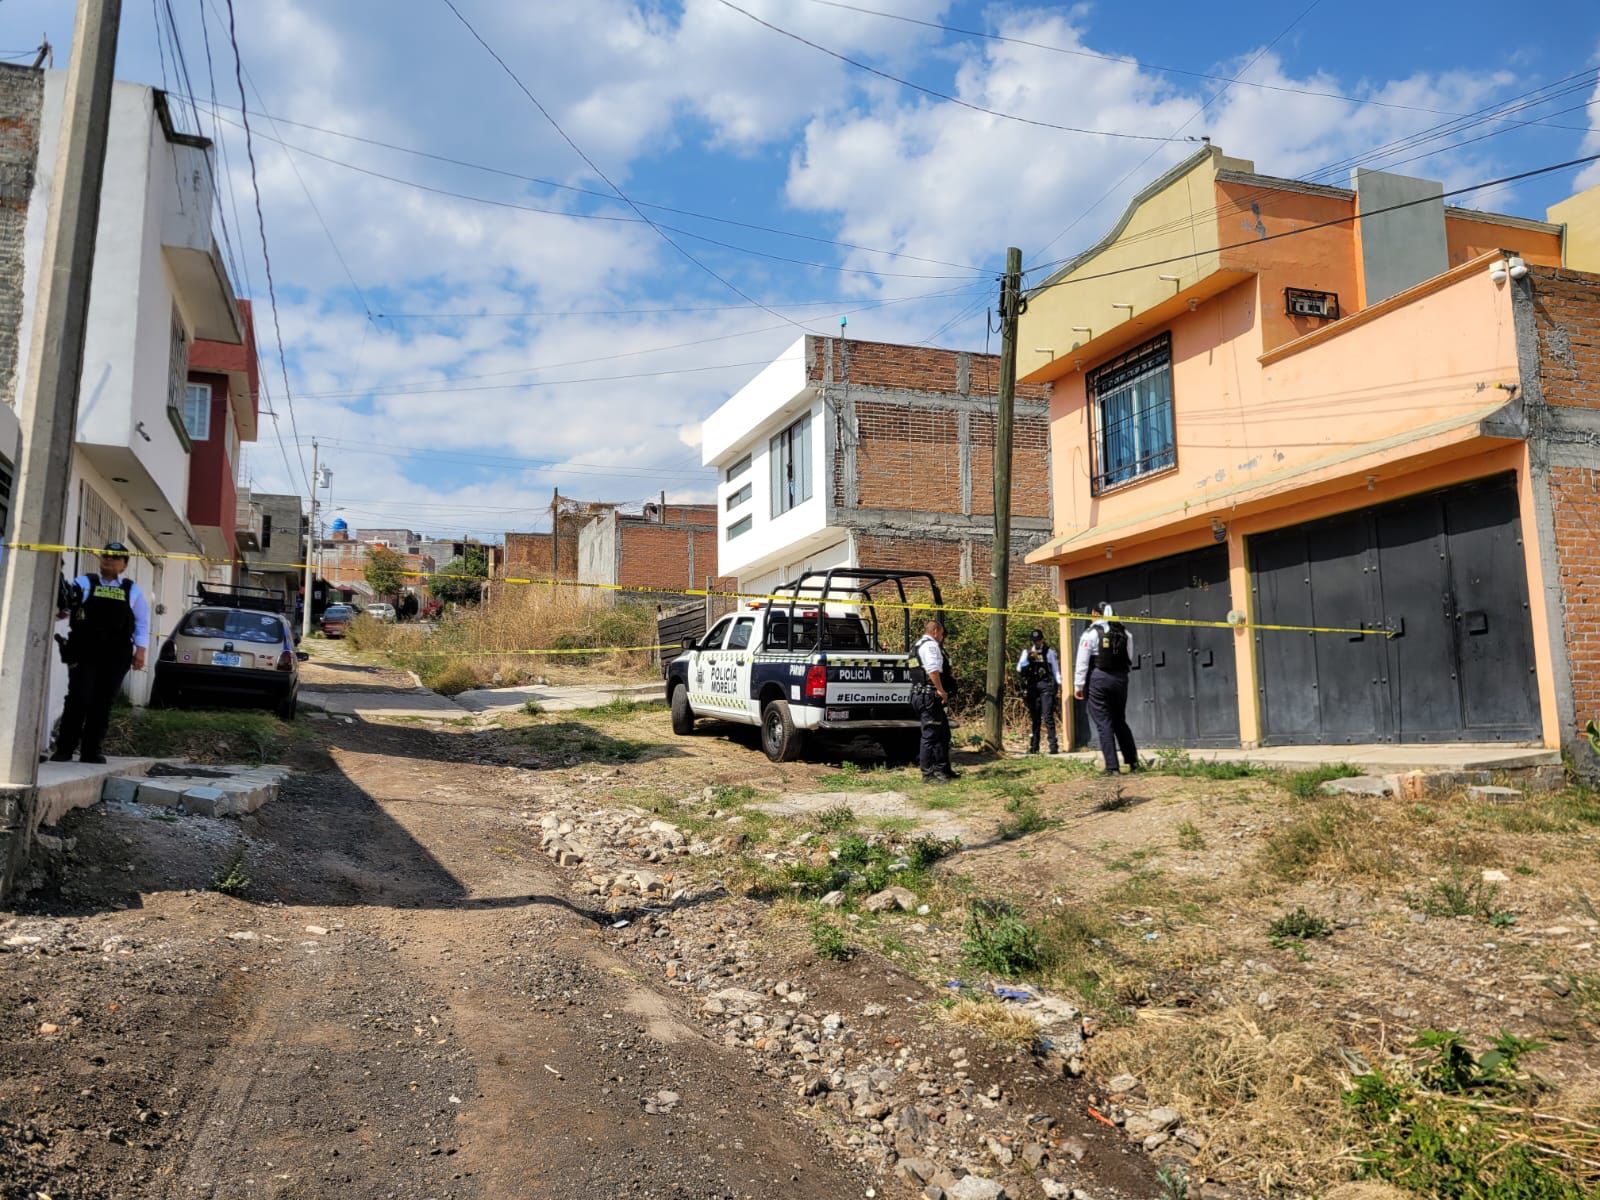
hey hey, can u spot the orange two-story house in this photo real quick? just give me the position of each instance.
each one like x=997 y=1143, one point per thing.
x=1284 y=403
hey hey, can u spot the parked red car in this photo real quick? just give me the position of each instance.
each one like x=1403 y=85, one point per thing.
x=336 y=619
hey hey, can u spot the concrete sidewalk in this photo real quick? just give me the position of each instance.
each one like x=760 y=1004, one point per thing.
x=1380 y=759
x=64 y=786
x=378 y=705
x=558 y=699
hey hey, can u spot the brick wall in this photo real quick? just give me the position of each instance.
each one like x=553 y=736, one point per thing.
x=943 y=556
x=1030 y=465
x=528 y=554
x=21 y=97
x=908 y=457
x=658 y=555
x=1566 y=306
x=890 y=365
x=691 y=514
x=1575 y=507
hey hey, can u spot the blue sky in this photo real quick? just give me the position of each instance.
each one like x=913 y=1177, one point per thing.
x=460 y=355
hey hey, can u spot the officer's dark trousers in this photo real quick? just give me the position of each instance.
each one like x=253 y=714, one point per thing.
x=933 y=754
x=1041 y=702
x=1106 y=695
x=91 y=687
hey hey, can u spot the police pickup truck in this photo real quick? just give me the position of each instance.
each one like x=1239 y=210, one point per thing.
x=810 y=661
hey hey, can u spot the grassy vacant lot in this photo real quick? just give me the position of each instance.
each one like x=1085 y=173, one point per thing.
x=1327 y=987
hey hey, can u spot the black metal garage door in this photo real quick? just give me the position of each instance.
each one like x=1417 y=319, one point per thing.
x=1444 y=571
x=1181 y=690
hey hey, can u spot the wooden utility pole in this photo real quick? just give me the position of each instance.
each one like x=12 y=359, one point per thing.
x=49 y=411
x=311 y=541
x=1011 y=306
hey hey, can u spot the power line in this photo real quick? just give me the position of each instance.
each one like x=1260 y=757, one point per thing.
x=1344 y=220
x=720 y=337
x=473 y=458
x=938 y=95
x=586 y=216
x=501 y=387
x=595 y=167
x=631 y=312
x=1194 y=116
x=1126 y=60
x=266 y=256
x=583 y=191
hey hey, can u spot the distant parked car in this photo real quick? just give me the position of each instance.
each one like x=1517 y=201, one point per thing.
x=240 y=653
x=380 y=612
x=336 y=620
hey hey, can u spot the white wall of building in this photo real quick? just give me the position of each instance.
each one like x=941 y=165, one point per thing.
x=771 y=402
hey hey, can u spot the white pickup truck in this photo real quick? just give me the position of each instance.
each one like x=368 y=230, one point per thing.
x=810 y=662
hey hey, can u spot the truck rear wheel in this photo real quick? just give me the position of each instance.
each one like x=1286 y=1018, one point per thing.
x=682 y=714
x=779 y=738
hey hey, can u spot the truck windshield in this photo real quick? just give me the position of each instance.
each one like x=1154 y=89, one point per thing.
x=844 y=633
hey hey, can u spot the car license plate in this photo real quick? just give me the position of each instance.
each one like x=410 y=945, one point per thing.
x=836 y=714
x=225 y=660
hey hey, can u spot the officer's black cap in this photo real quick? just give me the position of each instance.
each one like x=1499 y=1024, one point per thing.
x=114 y=550
x=1038 y=635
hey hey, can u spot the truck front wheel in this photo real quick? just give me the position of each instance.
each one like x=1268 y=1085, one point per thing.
x=779 y=738
x=682 y=714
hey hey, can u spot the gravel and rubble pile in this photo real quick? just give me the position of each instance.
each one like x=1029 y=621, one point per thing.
x=937 y=1108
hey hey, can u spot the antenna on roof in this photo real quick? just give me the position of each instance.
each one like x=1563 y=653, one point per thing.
x=843 y=321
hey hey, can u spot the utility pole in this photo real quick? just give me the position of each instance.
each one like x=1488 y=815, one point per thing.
x=311 y=541
x=555 y=533
x=1011 y=307
x=49 y=412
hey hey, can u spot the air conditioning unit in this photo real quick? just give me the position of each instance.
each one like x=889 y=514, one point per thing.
x=1303 y=302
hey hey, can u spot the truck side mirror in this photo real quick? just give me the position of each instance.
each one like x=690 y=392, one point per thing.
x=688 y=643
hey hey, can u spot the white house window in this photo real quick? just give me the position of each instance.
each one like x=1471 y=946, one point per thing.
x=741 y=526
x=1130 y=415
x=197 y=411
x=738 y=469
x=791 y=466
x=739 y=497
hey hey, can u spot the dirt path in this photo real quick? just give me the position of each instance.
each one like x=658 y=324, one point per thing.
x=403 y=1004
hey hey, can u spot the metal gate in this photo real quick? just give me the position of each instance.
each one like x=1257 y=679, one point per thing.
x=1181 y=690
x=1445 y=573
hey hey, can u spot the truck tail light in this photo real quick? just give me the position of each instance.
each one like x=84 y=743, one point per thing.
x=286 y=661
x=816 y=683
x=169 y=651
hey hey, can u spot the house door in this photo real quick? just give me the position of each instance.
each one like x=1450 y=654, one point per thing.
x=1181 y=689
x=1445 y=573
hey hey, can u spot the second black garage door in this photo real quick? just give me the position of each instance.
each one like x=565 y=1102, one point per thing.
x=1181 y=690
x=1445 y=572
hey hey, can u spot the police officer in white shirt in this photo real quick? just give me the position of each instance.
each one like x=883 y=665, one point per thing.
x=930 y=693
x=1100 y=678
x=1041 y=683
x=109 y=631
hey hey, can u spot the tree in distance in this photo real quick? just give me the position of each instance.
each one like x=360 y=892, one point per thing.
x=385 y=572
x=458 y=581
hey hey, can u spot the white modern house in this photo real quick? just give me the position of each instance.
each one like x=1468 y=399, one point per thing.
x=771 y=442
x=158 y=286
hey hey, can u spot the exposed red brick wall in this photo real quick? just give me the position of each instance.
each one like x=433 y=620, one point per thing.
x=1566 y=307
x=919 y=368
x=527 y=554
x=691 y=514
x=908 y=457
x=658 y=555
x=1030 y=465
x=942 y=556
x=1575 y=506
x=1022 y=574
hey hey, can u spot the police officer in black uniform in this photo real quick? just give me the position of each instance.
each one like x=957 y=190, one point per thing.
x=1041 y=682
x=930 y=694
x=109 y=631
x=1100 y=678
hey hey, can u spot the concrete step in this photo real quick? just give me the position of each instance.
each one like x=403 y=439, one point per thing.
x=211 y=792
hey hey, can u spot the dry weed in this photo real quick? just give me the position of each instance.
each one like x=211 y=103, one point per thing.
x=993 y=1019
x=1265 y=1090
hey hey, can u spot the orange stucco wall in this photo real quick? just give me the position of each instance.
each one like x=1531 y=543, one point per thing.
x=1467 y=239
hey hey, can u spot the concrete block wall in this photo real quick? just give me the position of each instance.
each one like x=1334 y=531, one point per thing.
x=1575 y=509
x=21 y=99
x=913 y=440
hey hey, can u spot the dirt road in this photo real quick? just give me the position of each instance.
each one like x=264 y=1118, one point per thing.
x=402 y=1003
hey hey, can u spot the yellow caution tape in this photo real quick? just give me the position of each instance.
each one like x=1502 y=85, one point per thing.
x=766 y=597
